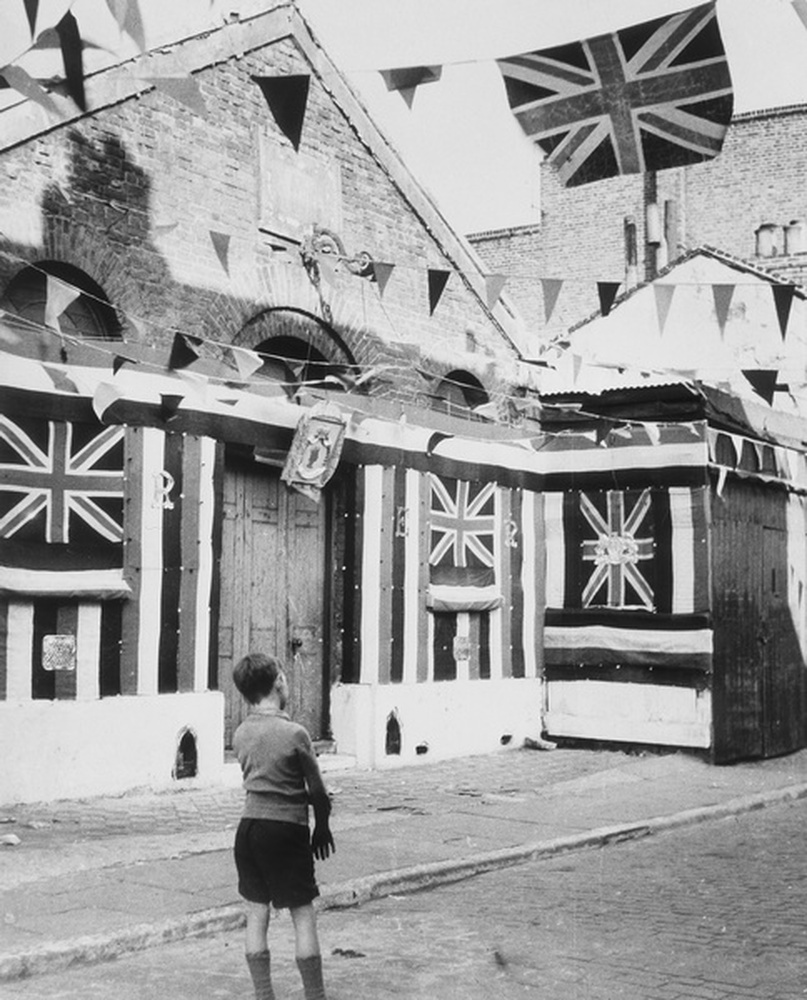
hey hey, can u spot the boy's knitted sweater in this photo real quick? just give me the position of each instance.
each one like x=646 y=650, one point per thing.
x=280 y=769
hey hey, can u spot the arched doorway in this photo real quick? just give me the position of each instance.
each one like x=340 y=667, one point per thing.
x=277 y=546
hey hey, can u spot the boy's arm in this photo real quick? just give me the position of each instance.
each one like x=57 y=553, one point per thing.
x=322 y=839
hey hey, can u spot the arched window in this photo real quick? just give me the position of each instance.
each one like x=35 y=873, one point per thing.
x=459 y=393
x=90 y=316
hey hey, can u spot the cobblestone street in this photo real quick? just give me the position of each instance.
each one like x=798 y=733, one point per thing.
x=713 y=912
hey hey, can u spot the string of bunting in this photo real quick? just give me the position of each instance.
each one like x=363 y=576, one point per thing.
x=536 y=83
x=60 y=294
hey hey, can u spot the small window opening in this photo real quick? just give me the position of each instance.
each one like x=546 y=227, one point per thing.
x=187 y=757
x=392 y=744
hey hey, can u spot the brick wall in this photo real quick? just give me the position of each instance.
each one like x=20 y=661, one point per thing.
x=758 y=178
x=130 y=193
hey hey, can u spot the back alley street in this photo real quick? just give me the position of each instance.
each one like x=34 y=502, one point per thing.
x=717 y=911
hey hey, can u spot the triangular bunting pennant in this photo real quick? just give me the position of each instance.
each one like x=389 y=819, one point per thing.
x=118 y=362
x=762 y=381
x=601 y=433
x=382 y=272
x=183 y=352
x=287 y=97
x=664 y=295
x=127 y=14
x=800 y=6
x=721 y=480
x=58 y=297
x=31 y=8
x=70 y=43
x=247 y=362
x=494 y=283
x=551 y=289
x=607 y=293
x=437 y=282
x=435 y=439
x=26 y=85
x=783 y=299
x=105 y=395
x=169 y=404
x=723 y=295
x=407 y=79
x=737 y=442
x=184 y=90
x=221 y=244
x=653 y=431
x=60 y=379
x=577 y=364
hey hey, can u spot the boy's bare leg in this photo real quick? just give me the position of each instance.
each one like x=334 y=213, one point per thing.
x=257 y=950
x=307 y=952
x=257 y=927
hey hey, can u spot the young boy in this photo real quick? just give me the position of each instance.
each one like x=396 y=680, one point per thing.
x=273 y=853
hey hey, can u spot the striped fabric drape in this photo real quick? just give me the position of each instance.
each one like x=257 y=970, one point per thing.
x=628 y=578
x=432 y=628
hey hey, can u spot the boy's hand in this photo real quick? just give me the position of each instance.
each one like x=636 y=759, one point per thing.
x=322 y=841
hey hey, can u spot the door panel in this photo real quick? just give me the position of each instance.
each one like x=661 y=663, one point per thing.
x=783 y=721
x=273 y=588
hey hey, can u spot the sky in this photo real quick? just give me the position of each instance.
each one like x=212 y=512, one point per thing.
x=459 y=137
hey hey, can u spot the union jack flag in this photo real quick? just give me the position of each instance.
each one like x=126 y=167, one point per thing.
x=651 y=96
x=463 y=523
x=462 y=550
x=61 y=482
x=617 y=550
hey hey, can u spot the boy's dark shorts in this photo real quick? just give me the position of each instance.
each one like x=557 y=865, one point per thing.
x=275 y=863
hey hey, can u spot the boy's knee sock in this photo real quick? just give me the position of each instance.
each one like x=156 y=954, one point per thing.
x=311 y=971
x=260 y=968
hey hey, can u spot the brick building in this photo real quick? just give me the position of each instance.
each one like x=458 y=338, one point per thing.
x=190 y=293
x=749 y=201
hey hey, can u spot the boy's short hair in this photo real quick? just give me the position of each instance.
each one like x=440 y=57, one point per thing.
x=255 y=675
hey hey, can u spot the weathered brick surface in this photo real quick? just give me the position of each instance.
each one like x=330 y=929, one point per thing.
x=758 y=178
x=130 y=193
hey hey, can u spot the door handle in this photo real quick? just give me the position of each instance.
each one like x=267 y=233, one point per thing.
x=296 y=642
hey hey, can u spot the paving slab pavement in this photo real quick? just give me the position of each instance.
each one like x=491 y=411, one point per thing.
x=91 y=879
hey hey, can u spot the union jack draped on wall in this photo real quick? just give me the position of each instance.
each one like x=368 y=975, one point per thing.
x=650 y=96
x=628 y=578
x=61 y=494
x=462 y=551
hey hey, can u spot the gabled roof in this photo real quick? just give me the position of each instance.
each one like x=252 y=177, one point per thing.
x=125 y=81
x=708 y=317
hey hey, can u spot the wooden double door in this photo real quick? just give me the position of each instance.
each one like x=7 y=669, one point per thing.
x=274 y=589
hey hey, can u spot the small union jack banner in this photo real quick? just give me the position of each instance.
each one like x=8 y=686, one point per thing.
x=647 y=97
x=60 y=482
x=462 y=550
x=623 y=540
x=463 y=523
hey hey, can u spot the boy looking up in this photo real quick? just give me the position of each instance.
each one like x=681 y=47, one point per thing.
x=274 y=855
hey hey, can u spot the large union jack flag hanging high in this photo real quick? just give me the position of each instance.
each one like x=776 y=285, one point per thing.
x=648 y=97
x=623 y=540
x=60 y=483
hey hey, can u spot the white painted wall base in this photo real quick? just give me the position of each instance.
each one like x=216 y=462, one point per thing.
x=70 y=749
x=629 y=713
x=452 y=719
